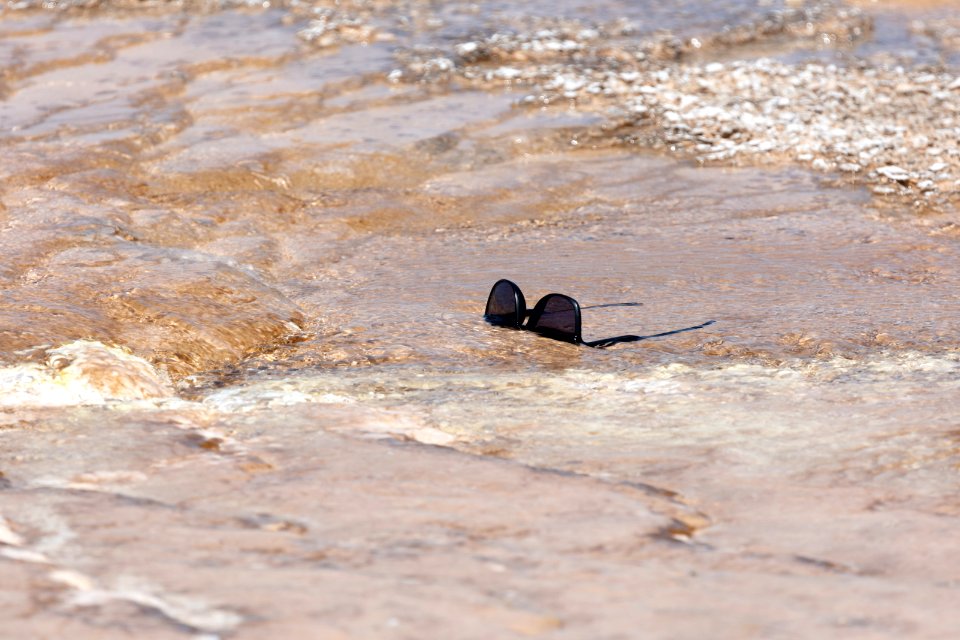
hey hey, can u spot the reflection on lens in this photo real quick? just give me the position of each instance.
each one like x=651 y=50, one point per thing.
x=557 y=316
x=505 y=306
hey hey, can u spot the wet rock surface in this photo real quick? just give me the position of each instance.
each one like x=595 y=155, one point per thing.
x=246 y=391
x=275 y=530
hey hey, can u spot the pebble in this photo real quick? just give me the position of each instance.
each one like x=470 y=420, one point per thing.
x=507 y=73
x=894 y=172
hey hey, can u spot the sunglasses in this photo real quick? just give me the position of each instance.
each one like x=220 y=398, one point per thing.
x=555 y=316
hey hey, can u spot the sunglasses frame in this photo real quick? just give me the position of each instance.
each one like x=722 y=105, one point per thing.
x=533 y=316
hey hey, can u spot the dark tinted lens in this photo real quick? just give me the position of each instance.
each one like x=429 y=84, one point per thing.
x=558 y=317
x=503 y=305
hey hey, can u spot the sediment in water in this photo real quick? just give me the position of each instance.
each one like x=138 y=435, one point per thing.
x=276 y=242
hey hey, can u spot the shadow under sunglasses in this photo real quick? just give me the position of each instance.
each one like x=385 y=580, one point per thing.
x=555 y=316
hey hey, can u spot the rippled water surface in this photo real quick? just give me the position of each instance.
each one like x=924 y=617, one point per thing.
x=246 y=389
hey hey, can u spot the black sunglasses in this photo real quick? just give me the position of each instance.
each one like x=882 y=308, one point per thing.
x=555 y=316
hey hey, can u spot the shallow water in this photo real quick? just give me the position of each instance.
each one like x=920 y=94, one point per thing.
x=246 y=389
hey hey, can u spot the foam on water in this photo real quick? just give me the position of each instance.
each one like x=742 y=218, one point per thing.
x=79 y=373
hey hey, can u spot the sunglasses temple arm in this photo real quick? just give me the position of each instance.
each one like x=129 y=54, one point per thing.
x=600 y=344
x=614 y=304
x=527 y=312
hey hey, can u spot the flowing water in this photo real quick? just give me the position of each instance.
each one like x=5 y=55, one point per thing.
x=246 y=389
